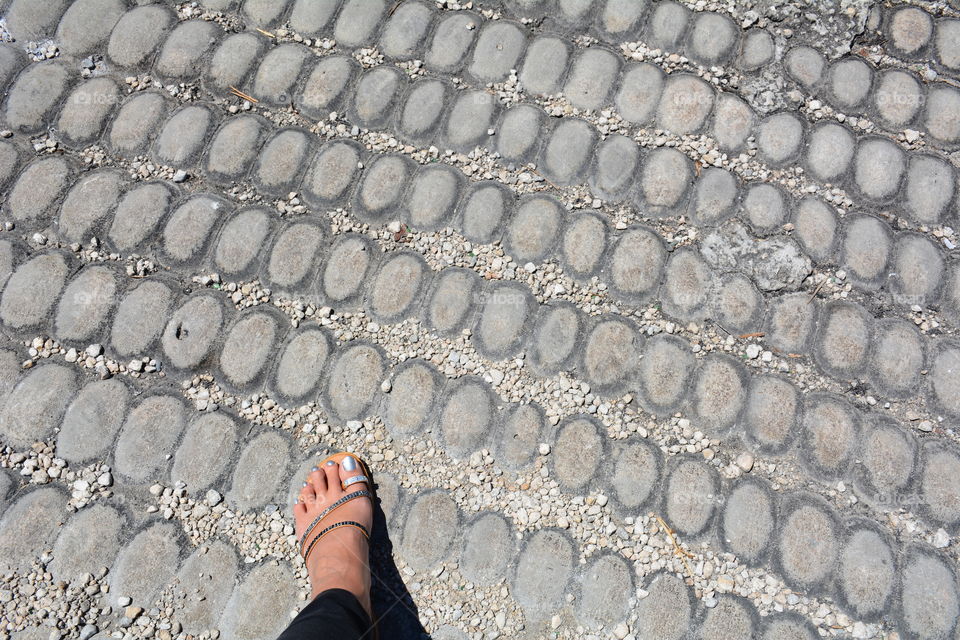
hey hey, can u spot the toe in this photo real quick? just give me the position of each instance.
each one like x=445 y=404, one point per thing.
x=331 y=471
x=308 y=495
x=350 y=468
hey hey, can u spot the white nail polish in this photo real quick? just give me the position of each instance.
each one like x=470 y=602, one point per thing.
x=349 y=464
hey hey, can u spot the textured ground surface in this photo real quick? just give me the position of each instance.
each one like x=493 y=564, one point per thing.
x=644 y=313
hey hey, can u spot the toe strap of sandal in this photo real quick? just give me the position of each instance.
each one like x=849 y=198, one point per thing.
x=335 y=525
x=363 y=493
x=354 y=480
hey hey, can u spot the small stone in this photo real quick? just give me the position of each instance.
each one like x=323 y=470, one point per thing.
x=386 y=386
x=105 y=479
x=753 y=351
x=941 y=540
x=213 y=497
x=745 y=462
x=94 y=350
x=180 y=176
x=124 y=601
x=88 y=631
x=544 y=449
x=132 y=612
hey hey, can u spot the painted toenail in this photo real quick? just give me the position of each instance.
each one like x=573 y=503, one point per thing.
x=330 y=463
x=349 y=464
x=315 y=469
x=304 y=484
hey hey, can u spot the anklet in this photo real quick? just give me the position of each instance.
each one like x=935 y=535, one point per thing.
x=363 y=493
x=336 y=525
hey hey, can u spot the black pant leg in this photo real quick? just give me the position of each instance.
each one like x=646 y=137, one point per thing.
x=335 y=614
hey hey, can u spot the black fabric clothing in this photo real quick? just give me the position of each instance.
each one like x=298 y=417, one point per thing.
x=334 y=614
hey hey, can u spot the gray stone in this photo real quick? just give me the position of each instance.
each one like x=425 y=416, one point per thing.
x=89 y=541
x=351 y=259
x=138 y=34
x=183 y=137
x=593 y=74
x=737 y=305
x=248 y=346
x=190 y=228
x=574 y=12
x=805 y=65
x=636 y=475
x=470 y=120
x=452 y=300
x=29 y=527
x=945 y=42
x=887 y=459
x=685 y=104
x=732 y=122
x=354 y=381
x=830 y=435
x=398 y=286
x=664 y=181
x=264 y=13
x=32 y=290
x=779 y=138
x=12 y=60
x=583 y=245
x=808 y=542
x=790 y=323
x=578 y=452
x=326 y=86
x=879 y=167
x=518 y=135
x=34 y=195
x=772 y=413
x=765 y=208
x=929 y=598
x=259 y=471
x=415 y=388
x=713 y=38
x=758 y=50
x=34 y=408
x=664 y=373
x=136 y=123
x=617 y=159
x=312 y=17
x=556 y=336
x=382 y=186
x=566 y=155
x=145 y=565
x=241 y=242
x=9 y=161
x=260 y=606
x=433 y=197
x=331 y=175
x=535 y=229
x=295 y=254
x=719 y=393
x=639 y=93
x=92 y=421
x=829 y=152
x=205 y=451
x=867 y=244
x=715 y=194
x=193 y=329
x=88 y=203
x=667 y=25
x=944 y=382
x=543 y=571
x=358 y=21
x=866 y=571
x=951 y=292
x=233 y=60
x=484 y=211
x=896 y=357
x=909 y=30
x=815 y=228
x=621 y=19
x=282 y=160
x=929 y=188
x=32 y=20
x=421 y=112
x=898 y=97
x=429 y=530
x=468 y=417
x=375 y=96
x=84 y=114
x=749 y=518
x=205 y=582
x=731 y=617
x=148 y=437
x=605 y=591
x=666 y=612
x=185 y=48
x=406 y=31
x=849 y=81
x=611 y=353
x=939 y=499
x=301 y=363
x=276 y=78
x=140 y=318
x=687 y=285
x=35 y=93
x=85 y=304
x=487 y=547
x=523 y=430
x=917 y=270
x=843 y=339
x=452 y=38
x=690 y=497
x=788 y=626
x=545 y=65
x=497 y=51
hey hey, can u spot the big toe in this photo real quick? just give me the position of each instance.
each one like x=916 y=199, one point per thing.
x=352 y=476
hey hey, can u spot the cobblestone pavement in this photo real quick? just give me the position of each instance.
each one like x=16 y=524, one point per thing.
x=643 y=312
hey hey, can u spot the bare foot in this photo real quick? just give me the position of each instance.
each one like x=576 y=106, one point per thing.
x=339 y=560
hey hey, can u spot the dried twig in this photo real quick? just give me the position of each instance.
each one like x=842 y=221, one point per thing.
x=241 y=94
x=266 y=33
x=817 y=290
x=677 y=549
x=757 y=334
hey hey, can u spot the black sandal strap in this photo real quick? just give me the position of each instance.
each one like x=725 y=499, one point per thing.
x=335 y=525
x=363 y=493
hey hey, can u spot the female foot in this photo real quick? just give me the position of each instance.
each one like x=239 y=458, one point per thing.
x=338 y=560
